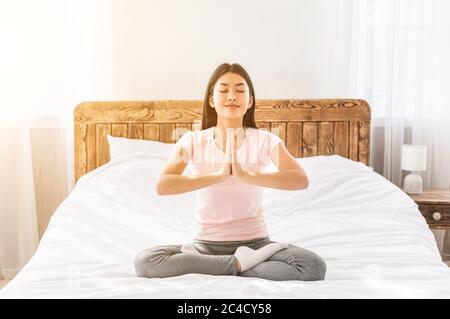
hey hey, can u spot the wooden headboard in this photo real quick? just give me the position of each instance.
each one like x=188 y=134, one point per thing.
x=308 y=127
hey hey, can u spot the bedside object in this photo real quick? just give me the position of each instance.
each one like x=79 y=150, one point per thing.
x=434 y=204
x=414 y=159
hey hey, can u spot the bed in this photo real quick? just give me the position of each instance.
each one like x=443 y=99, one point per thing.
x=370 y=233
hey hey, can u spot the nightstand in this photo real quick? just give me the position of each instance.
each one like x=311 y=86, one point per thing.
x=434 y=204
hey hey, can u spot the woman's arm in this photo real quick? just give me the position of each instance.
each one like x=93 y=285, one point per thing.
x=289 y=179
x=173 y=182
x=290 y=176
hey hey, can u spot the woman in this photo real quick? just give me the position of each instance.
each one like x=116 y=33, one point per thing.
x=227 y=157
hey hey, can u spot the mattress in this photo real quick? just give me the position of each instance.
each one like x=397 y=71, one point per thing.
x=374 y=240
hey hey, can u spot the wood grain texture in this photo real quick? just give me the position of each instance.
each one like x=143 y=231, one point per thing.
x=80 y=150
x=363 y=142
x=91 y=148
x=294 y=138
x=263 y=125
x=433 y=196
x=326 y=138
x=341 y=139
x=101 y=143
x=308 y=127
x=279 y=129
x=136 y=131
x=187 y=111
x=119 y=130
x=151 y=132
x=167 y=132
x=434 y=202
x=310 y=139
x=354 y=141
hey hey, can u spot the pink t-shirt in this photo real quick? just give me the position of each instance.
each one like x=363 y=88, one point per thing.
x=229 y=210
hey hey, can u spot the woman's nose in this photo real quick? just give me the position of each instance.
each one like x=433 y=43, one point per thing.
x=232 y=98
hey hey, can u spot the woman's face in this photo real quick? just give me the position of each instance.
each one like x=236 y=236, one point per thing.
x=231 y=96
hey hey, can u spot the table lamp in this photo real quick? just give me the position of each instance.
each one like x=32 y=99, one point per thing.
x=414 y=159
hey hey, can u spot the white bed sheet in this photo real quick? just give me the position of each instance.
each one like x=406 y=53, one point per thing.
x=372 y=236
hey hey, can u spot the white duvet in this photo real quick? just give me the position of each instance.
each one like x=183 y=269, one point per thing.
x=371 y=235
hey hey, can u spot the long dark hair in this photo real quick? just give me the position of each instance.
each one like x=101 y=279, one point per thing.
x=209 y=116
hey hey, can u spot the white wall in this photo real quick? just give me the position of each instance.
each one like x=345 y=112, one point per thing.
x=60 y=53
x=168 y=49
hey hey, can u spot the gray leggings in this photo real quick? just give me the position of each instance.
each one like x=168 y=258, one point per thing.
x=216 y=258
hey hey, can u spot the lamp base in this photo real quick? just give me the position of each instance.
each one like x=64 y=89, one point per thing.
x=413 y=184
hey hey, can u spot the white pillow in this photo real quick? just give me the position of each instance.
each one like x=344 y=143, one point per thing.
x=122 y=146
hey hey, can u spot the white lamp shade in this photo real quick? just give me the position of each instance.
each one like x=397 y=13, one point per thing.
x=414 y=157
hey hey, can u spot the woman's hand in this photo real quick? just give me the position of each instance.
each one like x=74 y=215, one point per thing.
x=236 y=167
x=225 y=170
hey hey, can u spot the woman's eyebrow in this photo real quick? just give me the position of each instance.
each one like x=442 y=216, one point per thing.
x=228 y=85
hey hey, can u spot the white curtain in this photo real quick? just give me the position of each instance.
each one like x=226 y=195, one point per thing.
x=400 y=63
x=34 y=174
x=19 y=232
x=55 y=54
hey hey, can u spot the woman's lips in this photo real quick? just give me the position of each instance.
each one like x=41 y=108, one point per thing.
x=232 y=105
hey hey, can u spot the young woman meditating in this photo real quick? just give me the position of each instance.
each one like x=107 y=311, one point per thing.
x=227 y=157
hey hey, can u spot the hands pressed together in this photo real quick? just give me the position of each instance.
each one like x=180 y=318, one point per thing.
x=231 y=165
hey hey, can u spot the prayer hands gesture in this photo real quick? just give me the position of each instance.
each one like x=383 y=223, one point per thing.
x=231 y=165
